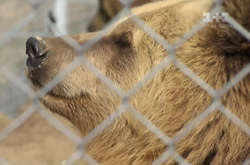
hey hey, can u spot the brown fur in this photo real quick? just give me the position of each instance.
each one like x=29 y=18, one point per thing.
x=107 y=10
x=171 y=99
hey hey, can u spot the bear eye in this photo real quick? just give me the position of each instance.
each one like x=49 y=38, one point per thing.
x=123 y=40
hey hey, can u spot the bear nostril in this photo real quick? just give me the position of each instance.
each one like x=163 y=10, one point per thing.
x=35 y=47
x=36 y=51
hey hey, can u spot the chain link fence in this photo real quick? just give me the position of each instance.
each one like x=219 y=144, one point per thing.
x=125 y=106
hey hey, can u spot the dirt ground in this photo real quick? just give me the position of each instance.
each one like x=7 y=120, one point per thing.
x=35 y=142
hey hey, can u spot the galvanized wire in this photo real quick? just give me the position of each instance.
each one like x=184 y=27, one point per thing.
x=125 y=106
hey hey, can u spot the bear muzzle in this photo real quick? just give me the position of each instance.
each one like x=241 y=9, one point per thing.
x=36 y=50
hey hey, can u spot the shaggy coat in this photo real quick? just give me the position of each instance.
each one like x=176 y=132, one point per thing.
x=170 y=100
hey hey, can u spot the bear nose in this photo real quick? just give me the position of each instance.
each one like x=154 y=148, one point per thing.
x=36 y=51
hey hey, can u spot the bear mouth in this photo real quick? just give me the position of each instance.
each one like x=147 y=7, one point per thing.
x=38 y=86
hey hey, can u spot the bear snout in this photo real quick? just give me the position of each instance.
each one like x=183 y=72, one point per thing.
x=36 y=50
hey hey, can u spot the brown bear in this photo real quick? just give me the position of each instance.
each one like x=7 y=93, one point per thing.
x=107 y=10
x=170 y=100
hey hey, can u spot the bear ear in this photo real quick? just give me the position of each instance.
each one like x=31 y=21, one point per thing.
x=124 y=39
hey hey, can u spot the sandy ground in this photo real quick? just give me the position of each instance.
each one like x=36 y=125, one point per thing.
x=35 y=142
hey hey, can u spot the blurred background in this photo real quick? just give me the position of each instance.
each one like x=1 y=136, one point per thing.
x=36 y=141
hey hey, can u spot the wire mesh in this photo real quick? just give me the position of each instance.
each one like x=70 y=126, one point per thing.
x=125 y=105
